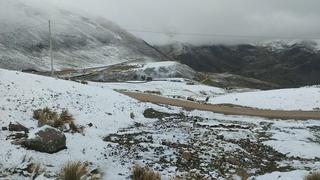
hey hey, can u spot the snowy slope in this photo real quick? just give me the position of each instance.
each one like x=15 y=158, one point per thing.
x=79 y=40
x=171 y=87
x=166 y=69
x=107 y=110
x=305 y=98
x=142 y=71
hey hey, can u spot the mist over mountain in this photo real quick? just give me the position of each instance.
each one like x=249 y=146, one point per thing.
x=79 y=40
x=242 y=21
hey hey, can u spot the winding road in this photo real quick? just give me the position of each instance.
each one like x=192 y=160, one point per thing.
x=224 y=109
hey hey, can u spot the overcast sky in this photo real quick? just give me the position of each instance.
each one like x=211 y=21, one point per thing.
x=196 y=20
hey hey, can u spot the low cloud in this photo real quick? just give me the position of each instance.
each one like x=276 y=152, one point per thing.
x=208 y=21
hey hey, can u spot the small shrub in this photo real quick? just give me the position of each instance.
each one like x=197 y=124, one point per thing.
x=192 y=175
x=48 y=117
x=67 y=118
x=45 y=116
x=144 y=173
x=313 y=176
x=73 y=171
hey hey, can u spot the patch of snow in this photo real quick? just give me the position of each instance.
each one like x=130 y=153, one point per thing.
x=305 y=98
x=292 y=175
x=170 y=87
x=33 y=133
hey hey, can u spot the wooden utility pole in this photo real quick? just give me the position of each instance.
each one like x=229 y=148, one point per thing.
x=50 y=49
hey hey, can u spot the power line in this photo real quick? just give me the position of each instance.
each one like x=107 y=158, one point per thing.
x=50 y=48
x=173 y=33
x=222 y=35
x=209 y=34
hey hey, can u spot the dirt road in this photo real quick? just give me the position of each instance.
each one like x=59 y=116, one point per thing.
x=223 y=109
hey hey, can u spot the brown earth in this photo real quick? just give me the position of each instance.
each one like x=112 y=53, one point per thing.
x=223 y=109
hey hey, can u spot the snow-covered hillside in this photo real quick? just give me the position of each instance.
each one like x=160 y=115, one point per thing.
x=107 y=110
x=166 y=69
x=305 y=98
x=79 y=40
x=143 y=71
x=170 y=87
x=120 y=131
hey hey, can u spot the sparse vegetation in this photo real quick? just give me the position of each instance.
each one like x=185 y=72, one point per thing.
x=313 y=176
x=73 y=171
x=29 y=168
x=191 y=175
x=243 y=174
x=48 y=117
x=144 y=173
x=45 y=116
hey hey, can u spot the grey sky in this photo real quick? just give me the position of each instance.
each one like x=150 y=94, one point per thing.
x=270 y=18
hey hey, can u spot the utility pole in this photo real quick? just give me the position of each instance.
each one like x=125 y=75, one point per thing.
x=50 y=49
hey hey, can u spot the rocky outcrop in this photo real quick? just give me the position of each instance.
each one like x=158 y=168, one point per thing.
x=46 y=139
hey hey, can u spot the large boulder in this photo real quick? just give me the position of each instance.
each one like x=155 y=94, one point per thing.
x=46 y=139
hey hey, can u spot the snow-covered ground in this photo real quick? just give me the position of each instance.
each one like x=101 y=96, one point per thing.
x=171 y=87
x=165 y=69
x=218 y=143
x=106 y=109
x=293 y=175
x=305 y=98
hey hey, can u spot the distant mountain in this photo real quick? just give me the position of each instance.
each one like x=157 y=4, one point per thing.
x=285 y=63
x=79 y=40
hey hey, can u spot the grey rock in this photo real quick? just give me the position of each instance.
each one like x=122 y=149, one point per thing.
x=47 y=139
x=17 y=127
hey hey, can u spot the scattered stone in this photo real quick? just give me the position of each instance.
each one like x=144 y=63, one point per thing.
x=220 y=137
x=187 y=155
x=4 y=128
x=46 y=139
x=90 y=124
x=190 y=99
x=17 y=127
x=154 y=114
x=233 y=160
x=132 y=115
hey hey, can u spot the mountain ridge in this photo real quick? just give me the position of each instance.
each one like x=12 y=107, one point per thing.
x=79 y=41
x=288 y=65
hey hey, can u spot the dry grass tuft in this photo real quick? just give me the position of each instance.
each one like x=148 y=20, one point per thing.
x=144 y=173
x=48 y=117
x=45 y=116
x=313 y=176
x=73 y=171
